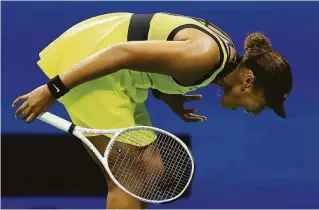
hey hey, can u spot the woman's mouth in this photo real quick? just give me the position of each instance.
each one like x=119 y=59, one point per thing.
x=253 y=112
x=234 y=108
x=245 y=110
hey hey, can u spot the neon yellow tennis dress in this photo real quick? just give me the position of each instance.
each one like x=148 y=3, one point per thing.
x=117 y=100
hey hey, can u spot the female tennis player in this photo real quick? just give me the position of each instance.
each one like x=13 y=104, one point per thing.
x=102 y=68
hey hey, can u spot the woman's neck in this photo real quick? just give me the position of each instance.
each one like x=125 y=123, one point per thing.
x=228 y=79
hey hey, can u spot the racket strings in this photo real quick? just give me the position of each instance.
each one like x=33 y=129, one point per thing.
x=140 y=171
x=178 y=165
x=157 y=191
x=152 y=165
x=163 y=180
x=169 y=176
x=174 y=158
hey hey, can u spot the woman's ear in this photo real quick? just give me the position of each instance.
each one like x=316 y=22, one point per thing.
x=248 y=81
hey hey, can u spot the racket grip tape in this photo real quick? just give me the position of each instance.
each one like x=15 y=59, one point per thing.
x=56 y=121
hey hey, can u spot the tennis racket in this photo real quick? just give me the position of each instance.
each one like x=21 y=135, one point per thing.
x=148 y=163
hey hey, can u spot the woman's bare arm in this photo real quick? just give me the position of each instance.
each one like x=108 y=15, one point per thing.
x=184 y=56
x=165 y=57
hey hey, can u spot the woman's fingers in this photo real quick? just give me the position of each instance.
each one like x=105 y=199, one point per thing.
x=190 y=117
x=26 y=113
x=200 y=117
x=20 y=98
x=192 y=97
x=190 y=111
x=31 y=117
x=187 y=118
x=21 y=109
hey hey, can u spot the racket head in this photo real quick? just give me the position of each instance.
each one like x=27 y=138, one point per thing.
x=155 y=181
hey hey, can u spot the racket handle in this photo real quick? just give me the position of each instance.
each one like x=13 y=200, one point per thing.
x=55 y=121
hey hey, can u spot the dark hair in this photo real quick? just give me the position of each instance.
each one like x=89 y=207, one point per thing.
x=271 y=69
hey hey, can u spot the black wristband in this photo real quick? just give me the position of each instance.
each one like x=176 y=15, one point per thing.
x=57 y=88
x=156 y=93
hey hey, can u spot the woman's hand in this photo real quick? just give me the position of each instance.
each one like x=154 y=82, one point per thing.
x=176 y=103
x=35 y=103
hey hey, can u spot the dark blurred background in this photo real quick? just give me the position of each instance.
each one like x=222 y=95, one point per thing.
x=242 y=161
x=52 y=166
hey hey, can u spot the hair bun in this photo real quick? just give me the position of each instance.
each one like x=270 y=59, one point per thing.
x=256 y=44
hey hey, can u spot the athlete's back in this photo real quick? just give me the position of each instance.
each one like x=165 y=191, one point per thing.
x=97 y=33
x=83 y=40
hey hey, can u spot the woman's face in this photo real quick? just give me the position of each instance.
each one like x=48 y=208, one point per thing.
x=242 y=92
